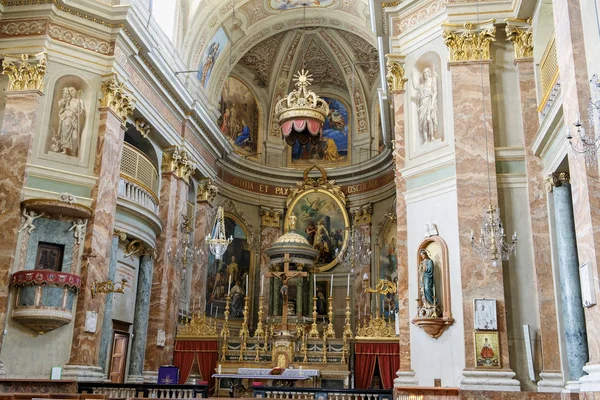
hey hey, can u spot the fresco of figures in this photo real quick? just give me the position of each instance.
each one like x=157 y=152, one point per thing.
x=239 y=119
x=388 y=266
x=211 y=54
x=291 y=4
x=333 y=148
x=234 y=266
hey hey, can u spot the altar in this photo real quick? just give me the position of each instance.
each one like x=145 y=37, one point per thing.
x=241 y=384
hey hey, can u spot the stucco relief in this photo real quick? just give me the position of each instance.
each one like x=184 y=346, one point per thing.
x=79 y=39
x=367 y=55
x=23 y=28
x=406 y=22
x=261 y=58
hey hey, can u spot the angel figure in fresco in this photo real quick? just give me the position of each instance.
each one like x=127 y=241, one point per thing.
x=427 y=105
x=225 y=124
x=71 y=116
x=336 y=119
x=209 y=62
x=312 y=207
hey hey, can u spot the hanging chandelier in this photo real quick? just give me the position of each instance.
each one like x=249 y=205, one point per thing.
x=217 y=241
x=588 y=143
x=358 y=249
x=301 y=114
x=492 y=244
x=186 y=255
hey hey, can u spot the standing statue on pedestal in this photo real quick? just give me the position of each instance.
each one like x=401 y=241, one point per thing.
x=427 y=301
x=427 y=105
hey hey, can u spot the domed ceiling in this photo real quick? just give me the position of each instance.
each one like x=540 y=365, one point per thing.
x=247 y=52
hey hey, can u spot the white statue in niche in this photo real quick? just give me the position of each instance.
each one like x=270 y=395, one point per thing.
x=426 y=104
x=71 y=118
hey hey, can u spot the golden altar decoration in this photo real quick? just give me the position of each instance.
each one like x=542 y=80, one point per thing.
x=198 y=326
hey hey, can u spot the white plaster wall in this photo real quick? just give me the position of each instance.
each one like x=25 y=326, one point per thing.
x=441 y=358
x=520 y=279
x=124 y=303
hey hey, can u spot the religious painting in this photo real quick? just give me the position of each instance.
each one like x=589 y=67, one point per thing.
x=292 y=4
x=49 y=256
x=487 y=350
x=322 y=293
x=387 y=261
x=322 y=219
x=239 y=120
x=211 y=54
x=485 y=314
x=231 y=274
x=333 y=149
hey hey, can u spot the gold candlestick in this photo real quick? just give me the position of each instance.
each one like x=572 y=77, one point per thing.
x=304 y=349
x=224 y=348
x=344 y=350
x=314 y=330
x=257 y=347
x=324 y=348
x=259 y=327
x=330 y=331
x=225 y=329
x=244 y=331
x=348 y=327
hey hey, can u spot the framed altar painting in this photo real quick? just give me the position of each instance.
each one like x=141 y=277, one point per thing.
x=386 y=261
x=487 y=350
x=322 y=219
x=322 y=298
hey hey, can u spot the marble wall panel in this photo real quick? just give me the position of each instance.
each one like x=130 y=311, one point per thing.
x=204 y=218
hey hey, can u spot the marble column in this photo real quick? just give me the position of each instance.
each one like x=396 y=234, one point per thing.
x=270 y=224
x=570 y=286
x=115 y=106
x=552 y=380
x=140 y=319
x=405 y=376
x=475 y=189
x=16 y=137
x=585 y=182
x=299 y=296
x=166 y=278
x=107 y=331
x=205 y=212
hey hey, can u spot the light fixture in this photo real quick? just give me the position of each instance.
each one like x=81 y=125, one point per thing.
x=217 y=241
x=588 y=143
x=492 y=245
x=107 y=287
x=186 y=253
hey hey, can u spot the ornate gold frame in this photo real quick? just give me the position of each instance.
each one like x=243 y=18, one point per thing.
x=489 y=333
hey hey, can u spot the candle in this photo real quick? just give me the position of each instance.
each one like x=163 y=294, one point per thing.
x=262 y=285
x=219 y=369
x=331 y=287
x=315 y=286
x=359 y=313
x=246 y=284
x=211 y=308
x=348 y=288
x=217 y=312
x=229 y=288
x=365 y=310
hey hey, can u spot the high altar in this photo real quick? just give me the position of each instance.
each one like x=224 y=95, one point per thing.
x=291 y=345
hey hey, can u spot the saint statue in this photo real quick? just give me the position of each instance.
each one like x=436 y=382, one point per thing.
x=71 y=116
x=427 y=105
x=427 y=297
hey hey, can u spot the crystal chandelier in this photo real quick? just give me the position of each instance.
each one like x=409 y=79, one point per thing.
x=492 y=244
x=358 y=249
x=588 y=143
x=186 y=255
x=217 y=241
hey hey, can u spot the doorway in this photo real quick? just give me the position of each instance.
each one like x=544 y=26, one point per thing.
x=118 y=359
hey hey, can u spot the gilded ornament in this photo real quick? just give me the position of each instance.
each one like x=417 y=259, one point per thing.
x=471 y=41
x=178 y=162
x=557 y=179
x=25 y=76
x=520 y=32
x=395 y=74
x=362 y=215
x=377 y=328
x=121 y=235
x=116 y=97
x=270 y=217
x=143 y=127
x=207 y=191
x=199 y=326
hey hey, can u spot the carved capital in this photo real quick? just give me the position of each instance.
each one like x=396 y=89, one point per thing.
x=176 y=161
x=470 y=41
x=207 y=191
x=520 y=33
x=362 y=215
x=395 y=72
x=116 y=97
x=25 y=76
x=270 y=217
x=143 y=127
x=557 y=179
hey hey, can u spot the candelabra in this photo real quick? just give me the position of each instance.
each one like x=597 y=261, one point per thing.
x=259 y=327
x=492 y=243
x=314 y=330
x=244 y=330
x=330 y=331
x=347 y=327
x=186 y=253
x=225 y=329
x=589 y=143
x=324 y=359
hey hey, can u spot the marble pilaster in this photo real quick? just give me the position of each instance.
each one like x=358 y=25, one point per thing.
x=270 y=223
x=140 y=320
x=85 y=349
x=107 y=320
x=475 y=164
x=570 y=286
x=204 y=217
x=405 y=375
x=16 y=137
x=538 y=211
x=585 y=182
x=166 y=277
x=361 y=221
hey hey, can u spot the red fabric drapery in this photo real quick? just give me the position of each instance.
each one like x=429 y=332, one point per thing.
x=204 y=352
x=388 y=355
x=299 y=125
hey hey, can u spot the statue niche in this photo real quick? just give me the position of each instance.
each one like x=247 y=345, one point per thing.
x=434 y=310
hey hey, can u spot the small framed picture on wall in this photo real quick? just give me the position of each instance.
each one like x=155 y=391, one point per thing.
x=487 y=350
x=485 y=315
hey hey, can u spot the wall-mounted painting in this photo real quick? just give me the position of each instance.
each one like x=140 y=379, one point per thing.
x=487 y=350
x=239 y=120
x=322 y=297
x=235 y=264
x=291 y=4
x=211 y=54
x=323 y=221
x=334 y=145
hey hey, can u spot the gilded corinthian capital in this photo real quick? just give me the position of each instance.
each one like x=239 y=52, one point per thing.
x=519 y=32
x=395 y=72
x=116 y=97
x=23 y=75
x=470 y=41
x=176 y=161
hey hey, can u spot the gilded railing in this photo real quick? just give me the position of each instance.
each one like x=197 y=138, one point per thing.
x=137 y=167
x=548 y=72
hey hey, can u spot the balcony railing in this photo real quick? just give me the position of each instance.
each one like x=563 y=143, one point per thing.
x=548 y=73
x=139 y=179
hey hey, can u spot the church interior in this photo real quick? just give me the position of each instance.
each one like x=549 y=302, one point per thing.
x=300 y=199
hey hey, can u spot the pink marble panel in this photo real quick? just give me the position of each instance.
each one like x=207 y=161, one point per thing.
x=204 y=216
